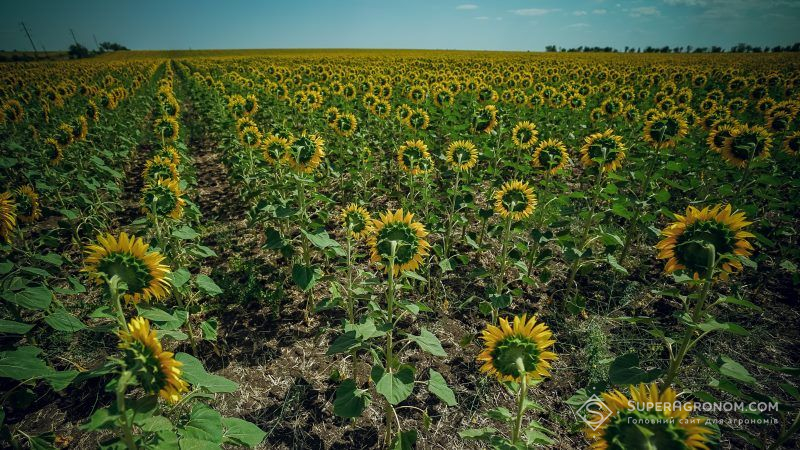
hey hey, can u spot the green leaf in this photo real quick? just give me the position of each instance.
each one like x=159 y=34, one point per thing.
x=405 y=440
x=51 y=258
x=101 y=419
x=209 y=328
x=185 y=232
x=350 y=401
x=11 y=327
x=713 y=325
x=414 y=275
x=195 y=373
x=37 y=297
x=733 y=369
x=242 y=432
x=61 y=320
x=615 y=264
x=428 y=342
x=500 y=414
x=205 y=424
x=478 y=433
x=23 y=364
x=180 y=277
x=739 y=302
x=305 y=277
x=395 y=387
x=344 y=343
x=153 y=424
x=207 y=285
x=625 y=370
x=60 y=380
x=437 y=385
x=320 y=240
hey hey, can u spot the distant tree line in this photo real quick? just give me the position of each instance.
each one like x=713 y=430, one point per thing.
x=738 y=48
x=77 y=51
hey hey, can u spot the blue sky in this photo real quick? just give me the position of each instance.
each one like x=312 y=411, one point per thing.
x=460 y=24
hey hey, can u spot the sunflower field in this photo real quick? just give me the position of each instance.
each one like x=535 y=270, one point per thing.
x=400 y=249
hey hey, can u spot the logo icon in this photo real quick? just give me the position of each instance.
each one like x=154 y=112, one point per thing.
x=594 y=412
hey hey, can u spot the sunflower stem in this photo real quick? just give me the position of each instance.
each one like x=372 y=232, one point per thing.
x=122 y=386
x=114 y=293
x=631 y=231
x=697 y=313
x=449 y=230
x=390 y=304
x=521 y=400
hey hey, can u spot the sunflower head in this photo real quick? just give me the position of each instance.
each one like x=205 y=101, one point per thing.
x=250 y=136
x=418 y=119
x=64 y=135
x=791 y=145
x=688 y=243
x=461 y=155
x=156 y=369
x=357 y=221
x=129 y=259
x=275 y=148
x=605 y=149
x=162 y=198
x=305 y=153
x=484 y=120
x=514 y=200
x=551 y=155
x=664 y=129
x=345 y=124
x=414 y=158
x=525 y=135
x=399 y=232
x=166 y=128
x=746 y=143
x=650 y=418
x=160 y=167
x=28 y=207
x=8 y=216
x=53 y=151
x=80 y=128
x=517 y=349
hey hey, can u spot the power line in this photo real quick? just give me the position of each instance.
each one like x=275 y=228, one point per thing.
x=35 y=52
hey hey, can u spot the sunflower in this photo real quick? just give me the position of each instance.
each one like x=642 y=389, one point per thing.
x=331 y=114
x=64 y=135
x=382 y=108
x=155 y=369
x=171 y=153
x=53 y=151
x=275 y=148
x=92 y=111
x=28 y=208
x=305 y=153
x=160 y=167
x=515 y=200
x=403 y=113
x=418 y=119
x=413 y=157
x=746 y=143
x=80 y=128
x=163 y=199
x=129 y=259
x=409 y=238
x=791 y=145
x=166 y=128
x=525 y=135
x=485 y=119
x=242 y=123
x=250 y=136
x=664 y=129
x=606 y=146
x=718 y=135
x=779 y=122
x=8 y=216
x=551 y=154
x=345 y=124
x=357 y=221
x=685 y=241
x=461 y=155
x=524 y=340
x=649 y=419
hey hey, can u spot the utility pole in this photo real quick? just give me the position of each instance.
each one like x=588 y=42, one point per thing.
x=73 y=36
x=35 y=52
x=96 y=45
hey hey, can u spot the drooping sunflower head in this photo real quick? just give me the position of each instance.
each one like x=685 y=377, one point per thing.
x=345 y=124
x=80 y=128
x=484 y=120
x=305 y=153
x=166 y=128
x=688 y=241
x=664 y=129
x=414 y=158
x=250 y=136
x=515 y=200
x=275 y=148
x=53 y=151
x=461 y=155
x=92 y=111
x=398 y=230
x=162 y=198
x=525 y=135
x=650 y=418
x=719 y=134
x=791 y=145
x=746 y=143
x=160 y=167
x=551 y=155
x=156 y=369
x=517 y=349
x=63 y=135
x=605 y=149
x=128 y=258
x=28 y=208
x=171 y=153
x=8 y=216
x=356 y=220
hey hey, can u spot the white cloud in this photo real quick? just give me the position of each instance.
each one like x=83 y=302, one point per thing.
x=482 y=18
x=579 y=13
x=644 y=11
x=578 y=25
x=467 y=6
x=686 y=2
x=533 y=11
x=599 y=11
